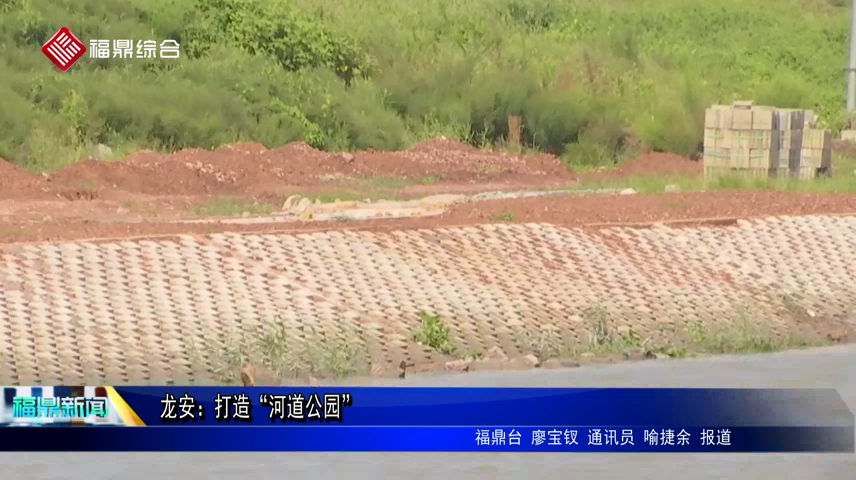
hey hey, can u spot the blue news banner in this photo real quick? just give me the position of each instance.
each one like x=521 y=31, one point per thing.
x=442 y=419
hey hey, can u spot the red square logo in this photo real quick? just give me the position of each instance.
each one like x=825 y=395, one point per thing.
x=64 y=49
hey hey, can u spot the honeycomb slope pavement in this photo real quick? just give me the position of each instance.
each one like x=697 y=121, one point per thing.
x=152 y=311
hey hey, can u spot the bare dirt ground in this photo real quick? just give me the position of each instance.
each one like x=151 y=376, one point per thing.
x=147 y=193
x=136 y=196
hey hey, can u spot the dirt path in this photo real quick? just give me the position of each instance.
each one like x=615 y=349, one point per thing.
x=564 y=210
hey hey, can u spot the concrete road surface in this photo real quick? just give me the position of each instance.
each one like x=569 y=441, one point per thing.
x=828 y=367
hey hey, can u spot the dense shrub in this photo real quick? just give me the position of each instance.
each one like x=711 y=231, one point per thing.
x=369 y=74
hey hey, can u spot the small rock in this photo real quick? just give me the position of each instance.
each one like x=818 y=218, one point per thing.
x=519 y=363
x=245 y=215
x=627 y=191
x=102 y=151
x=661 y=356
x=348 y=157
x=313 y=382
x=496 y=353
x=367 y=200
x=672 y=188
x=317 y=201
x=122 y=210
x=458 y=366
x=303 y=205
x=488 y=365
x=560 y=363
x=623 y=330
x=290 y=203
x=253 y=376
x=837 y=336
x=635 y=355
x=532 y=360
x=377 y=370
x=247 y=378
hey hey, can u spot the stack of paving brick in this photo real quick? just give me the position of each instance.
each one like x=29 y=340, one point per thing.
x=761 y=141
x=816 y=153
x=740 y=139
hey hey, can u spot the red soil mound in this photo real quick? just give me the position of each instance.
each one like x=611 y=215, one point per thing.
x=15 y=182
x=250 y=168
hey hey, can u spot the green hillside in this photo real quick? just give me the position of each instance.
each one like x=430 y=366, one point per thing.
x=357 y=74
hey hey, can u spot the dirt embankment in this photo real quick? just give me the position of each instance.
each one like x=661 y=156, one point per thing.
x=252 y=169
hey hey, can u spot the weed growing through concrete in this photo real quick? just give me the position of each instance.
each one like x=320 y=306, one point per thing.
x=269 y=347
x=543 y=343
x=434 y=333
x=602 y=340
x=742 y=336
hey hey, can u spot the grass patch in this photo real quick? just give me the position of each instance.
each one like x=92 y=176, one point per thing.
x=842 y=180
x=12 y=232
x=741 y=336
x=232 y=206
x=503 y=217
x=400 y=182
x=603 y=341
x=269 y=347
x=331 y=196
x=361 y=75
x=434 y=333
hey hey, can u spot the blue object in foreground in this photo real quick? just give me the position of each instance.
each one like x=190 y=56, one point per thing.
x=427 y=439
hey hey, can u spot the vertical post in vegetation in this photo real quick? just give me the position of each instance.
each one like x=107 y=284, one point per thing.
x=515 y=130
x=851 y=65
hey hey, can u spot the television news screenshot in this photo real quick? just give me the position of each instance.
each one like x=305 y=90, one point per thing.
x=483 y=239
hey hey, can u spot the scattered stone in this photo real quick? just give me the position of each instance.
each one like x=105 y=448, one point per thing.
x=348 y=157
x=313 y=382
x=252 y=376
x=377 y=370
x=560 y=363
x=458 y=366
x=627 y=191
x=102 y=151
x=290 y=203
x=317 y=201
x=245 y=215
x=496 y=353
x=636 y=355
x=303 y=205
x=519 y=363
x=247 y=378
x=837 y=336
x=662 y=356
x=488 y=364
x=367 y=200
x=532 y=360
x=672 y=188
